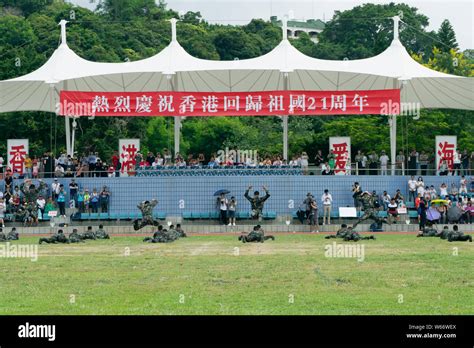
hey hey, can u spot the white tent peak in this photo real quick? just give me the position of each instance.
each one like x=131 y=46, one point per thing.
x=63 y=23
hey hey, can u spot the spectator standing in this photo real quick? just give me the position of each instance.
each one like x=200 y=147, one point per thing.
x=326 y=169
x=386 y=200
x=326 y=200
x=231 y=208
x=443 y=168
x=104 y=200
x=61 y=200
x=319 y=160
x=28 y=167
x=400 y=163
x=420 y=186
x=222 y=203
x=331 y=161
x=383 y=163
x=94 y=201
x=41 y=203
x=55 y=188
x=465 y=162
x=443 y=191
x=412 y=160
x=356 y=191
x=1 y=166
x=456 y=163
x=373 y=163
x=423 y=163
x=422 y=214
x=463 y=185
x=73 y=187
x=304 y=162
x=412 y=189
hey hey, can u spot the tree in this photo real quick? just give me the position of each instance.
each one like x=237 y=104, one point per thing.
x=447 y=37
x=451 y=62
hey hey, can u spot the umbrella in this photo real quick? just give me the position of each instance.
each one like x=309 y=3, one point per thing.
x=219 y=192
x=433 y=214
x=454 y=213
x=442 y=201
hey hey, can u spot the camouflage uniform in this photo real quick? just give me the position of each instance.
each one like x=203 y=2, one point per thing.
x=341 y=233
x=444 y=233
x=255 y=236
x=75 y=237
x=354 y=236
x=428 y=232
x=55 y=238
x=101 y=234
x=256 y=203
x=3 y=237
x=181 y=233
x=13 y=235
x=146 y=207
x=370 y=212
x=31 y=193
x=458 y=236
x=163 y=236
x=88 y=235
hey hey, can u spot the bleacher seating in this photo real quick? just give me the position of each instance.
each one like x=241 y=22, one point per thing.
x=204 y=170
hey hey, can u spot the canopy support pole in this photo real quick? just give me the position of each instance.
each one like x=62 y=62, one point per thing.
x=177 y=119
x=393 y=140
x=68 y=135
x=285 y=117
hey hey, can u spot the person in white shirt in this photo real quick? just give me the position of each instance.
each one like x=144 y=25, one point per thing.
x=1 y=165
x=457 y=163
x=420 y=186
x=223 y=202
x=304 y=162
x=463 y=185
x=293 y=162
x=443 y=191
x=326 y=199
x=55 y=188
x=41 y=203
x=383 y=163
x=412 y=189
x=386 y=200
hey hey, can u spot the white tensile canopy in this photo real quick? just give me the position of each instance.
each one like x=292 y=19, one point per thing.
x=282 y=68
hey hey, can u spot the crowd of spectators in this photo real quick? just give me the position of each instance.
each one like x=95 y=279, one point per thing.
x=92 y=165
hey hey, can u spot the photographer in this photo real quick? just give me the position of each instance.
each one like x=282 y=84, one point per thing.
x=222 y=202
x=356 y=191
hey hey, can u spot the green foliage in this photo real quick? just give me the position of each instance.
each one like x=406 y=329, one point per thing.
x=447 y=36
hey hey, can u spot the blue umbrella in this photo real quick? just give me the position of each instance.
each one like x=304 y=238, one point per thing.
x=219 y=192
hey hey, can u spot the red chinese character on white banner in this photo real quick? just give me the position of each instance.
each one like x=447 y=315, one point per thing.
x=446 y=152
x=128 y=157
x=342 y=155
x=18 y=154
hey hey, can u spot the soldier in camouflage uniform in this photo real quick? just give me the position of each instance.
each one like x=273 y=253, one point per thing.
x=55 y=238
x=13 y=235
x=89 y=234
x=355 y=236
x=180 y=231
x=146 y=207
x=101 y=234
x=368 y=206
x=31 y=193
x=256 y=235
x=75 y=237
x=444 y=233
x=458 y=236
x=428 y=231
x=341 y=233
x=256 y=202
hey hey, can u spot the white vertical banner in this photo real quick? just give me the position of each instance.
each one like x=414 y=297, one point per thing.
x=446 y=145
x=17 y=149
x=128 y=149
x=341 y=146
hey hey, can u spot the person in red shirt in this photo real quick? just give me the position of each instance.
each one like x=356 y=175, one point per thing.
x=115 y=163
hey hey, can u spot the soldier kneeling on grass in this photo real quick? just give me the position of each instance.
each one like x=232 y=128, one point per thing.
x=55 y=238
x=163 y=235
x=458 y=236
x=444 y=233
x=89 y=234
x=341 y=233
x=256 y=235
x=101 y=234
x=355 y=236
x=13 y=235
x=428 y=231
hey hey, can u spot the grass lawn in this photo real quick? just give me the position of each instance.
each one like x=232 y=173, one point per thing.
x=400 y=274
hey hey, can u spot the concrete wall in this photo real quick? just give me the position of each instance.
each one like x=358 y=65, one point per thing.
x=179 y=194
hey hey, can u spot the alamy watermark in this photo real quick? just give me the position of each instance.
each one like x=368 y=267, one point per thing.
x=238 y=156
x=402 y=109
x=28 y=251
x=345 y=251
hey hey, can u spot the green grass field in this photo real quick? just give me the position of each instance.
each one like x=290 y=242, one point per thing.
x=401 y=274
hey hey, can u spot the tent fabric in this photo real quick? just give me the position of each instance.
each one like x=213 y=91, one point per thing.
x=174 y=69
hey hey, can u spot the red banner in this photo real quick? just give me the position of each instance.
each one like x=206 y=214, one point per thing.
x=76 y=103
